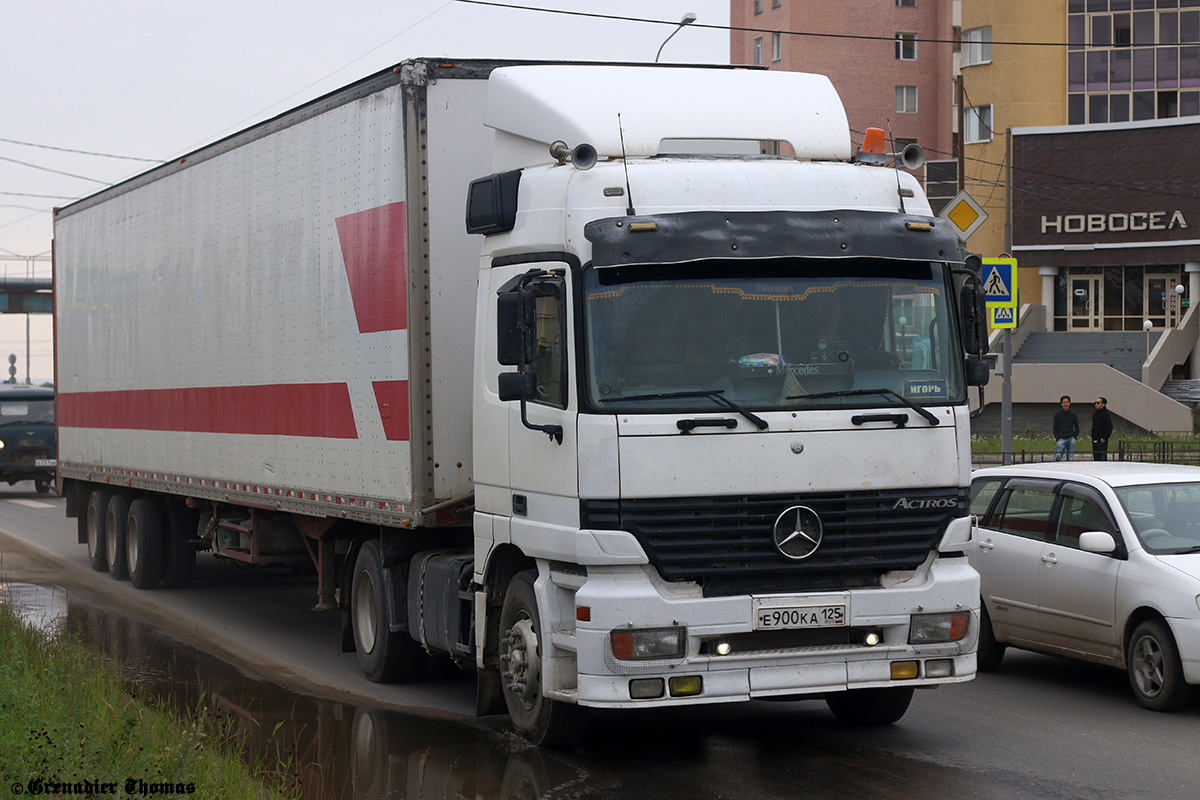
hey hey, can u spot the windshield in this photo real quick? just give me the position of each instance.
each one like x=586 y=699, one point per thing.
x=1165 y=516
x=22 y=412
x=785 y=334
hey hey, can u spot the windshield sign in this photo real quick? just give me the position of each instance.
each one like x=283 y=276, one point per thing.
x=787 y=335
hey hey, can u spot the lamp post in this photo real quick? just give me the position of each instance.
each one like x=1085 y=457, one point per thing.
x=1146 y=326
x=688 y=19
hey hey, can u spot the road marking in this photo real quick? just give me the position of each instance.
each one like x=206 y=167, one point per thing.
x=32 y=503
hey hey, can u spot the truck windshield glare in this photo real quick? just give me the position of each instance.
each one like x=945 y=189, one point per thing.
x=773 y=336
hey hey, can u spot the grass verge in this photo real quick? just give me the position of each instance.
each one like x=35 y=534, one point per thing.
x=71 y=727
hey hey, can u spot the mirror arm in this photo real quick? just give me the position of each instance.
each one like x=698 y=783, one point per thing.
x=555 y=432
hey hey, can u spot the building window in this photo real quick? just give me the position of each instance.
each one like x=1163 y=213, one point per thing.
x=977 y=46
x=906 y=46
x=906 y=3
x=758 y=53
x=776 y=46
x=776 y=3
x=906 y=99
x=758 y=6
x=979 y=124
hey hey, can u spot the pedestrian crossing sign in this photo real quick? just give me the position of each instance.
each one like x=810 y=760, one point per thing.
x=1000 y=280
x=1004 y=316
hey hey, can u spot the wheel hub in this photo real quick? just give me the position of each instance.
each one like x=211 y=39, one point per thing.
x=1148 y=667
x=519 y=655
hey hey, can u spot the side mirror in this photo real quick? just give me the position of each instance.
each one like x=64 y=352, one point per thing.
x=973 y=305
x=1097 y=542
x=516 y=321
x=517 y=386
x=977 y=372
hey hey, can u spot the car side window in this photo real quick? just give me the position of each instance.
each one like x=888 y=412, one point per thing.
x=1024 y=510
x=1081 y=511
x=982 y=492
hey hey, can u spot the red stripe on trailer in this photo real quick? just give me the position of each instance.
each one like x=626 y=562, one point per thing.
x=374 y=251
x=315 y=409
x=392 y=399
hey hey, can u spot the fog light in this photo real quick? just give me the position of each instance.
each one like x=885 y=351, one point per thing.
x=938 y=628
x=645 y=688
x=871 y=639
x=723 y=648
x=939 y=668
x=646 y=644
x=905 y=670
x=685 y=685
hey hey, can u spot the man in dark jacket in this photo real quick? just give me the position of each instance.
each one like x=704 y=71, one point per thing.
x=1102 y=428
x=1066 y=430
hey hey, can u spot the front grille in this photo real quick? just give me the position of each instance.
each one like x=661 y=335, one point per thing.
x=725 y=544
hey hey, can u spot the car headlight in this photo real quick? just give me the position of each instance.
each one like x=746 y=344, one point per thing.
x=1198 y=601
x=642 y=644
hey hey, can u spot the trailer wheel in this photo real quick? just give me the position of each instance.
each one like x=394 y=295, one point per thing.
x=144 y=543
x=384 y=655
x=114 y=535
x=97 y=542
x=179 y=554
x=545 y=722
x=870 y=707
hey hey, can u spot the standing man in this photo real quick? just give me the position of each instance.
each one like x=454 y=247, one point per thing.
x=1102 y=428
x=1066 y=430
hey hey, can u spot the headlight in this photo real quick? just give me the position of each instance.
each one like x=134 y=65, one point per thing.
x=1198 y=601
x=938 y=628
x=644 y=644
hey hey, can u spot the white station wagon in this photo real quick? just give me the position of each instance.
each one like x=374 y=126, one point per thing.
x=1096 y=561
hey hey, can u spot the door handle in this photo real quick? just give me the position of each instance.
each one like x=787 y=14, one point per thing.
x=986 y=544
x=1049 y=560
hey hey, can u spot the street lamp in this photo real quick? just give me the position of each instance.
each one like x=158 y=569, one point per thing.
x=1146 y=326
x=688 y=19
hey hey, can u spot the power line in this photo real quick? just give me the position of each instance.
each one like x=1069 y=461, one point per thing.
x=81 y=152
x=853 y=36
x=42 y=196
x=55 y=171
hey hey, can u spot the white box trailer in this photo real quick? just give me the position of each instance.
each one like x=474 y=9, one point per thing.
x=615 y=443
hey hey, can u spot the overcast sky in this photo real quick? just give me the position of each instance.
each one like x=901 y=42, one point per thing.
x=153 y=80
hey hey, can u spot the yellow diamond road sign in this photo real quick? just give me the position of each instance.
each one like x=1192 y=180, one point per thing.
x=964 y=215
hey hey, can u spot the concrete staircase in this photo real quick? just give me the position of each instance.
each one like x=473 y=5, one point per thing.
x=1124 y=352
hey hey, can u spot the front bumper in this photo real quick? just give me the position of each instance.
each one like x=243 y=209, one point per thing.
x=632 y=597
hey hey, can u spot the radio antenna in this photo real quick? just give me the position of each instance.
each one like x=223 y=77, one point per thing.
x=629 y=212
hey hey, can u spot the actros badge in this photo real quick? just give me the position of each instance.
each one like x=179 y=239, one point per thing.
x=798 y=532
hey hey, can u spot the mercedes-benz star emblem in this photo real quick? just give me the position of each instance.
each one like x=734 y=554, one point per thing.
x=798 y=532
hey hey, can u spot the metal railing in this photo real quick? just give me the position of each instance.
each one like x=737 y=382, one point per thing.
x=1151 y=451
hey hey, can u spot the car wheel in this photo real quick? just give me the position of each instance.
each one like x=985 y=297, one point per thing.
x=1155 y=671
x=41 y=487
x=114 y=536
x=990 y=652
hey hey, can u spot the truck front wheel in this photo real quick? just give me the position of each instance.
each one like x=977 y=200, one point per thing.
x=870 y=707
x=543 y=721
x=97 y=541
x=384 y=655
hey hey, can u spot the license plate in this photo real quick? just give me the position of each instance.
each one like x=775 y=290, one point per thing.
x=45 y=462
x=787 y=617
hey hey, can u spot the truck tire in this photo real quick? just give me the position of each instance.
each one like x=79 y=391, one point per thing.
x=545 y=722
x=97 y=542
x=384 y=656
x=179 y=554
x=870 y=707
x=144 y=543
x=114 y=536
x=1155 y=671
x=991 y=652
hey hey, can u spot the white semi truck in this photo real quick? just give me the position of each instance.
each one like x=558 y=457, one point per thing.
x=675 y=419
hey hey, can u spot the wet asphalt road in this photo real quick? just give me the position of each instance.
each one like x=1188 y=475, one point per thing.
x=1038 y=728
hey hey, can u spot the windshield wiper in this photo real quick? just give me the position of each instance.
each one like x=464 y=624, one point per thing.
x=924 y=412
x=1187 y=551
x=715 y=394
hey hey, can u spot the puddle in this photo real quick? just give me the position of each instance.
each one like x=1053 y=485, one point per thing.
x=334 y=749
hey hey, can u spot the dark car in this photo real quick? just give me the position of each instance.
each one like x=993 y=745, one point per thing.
x=28 y=449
